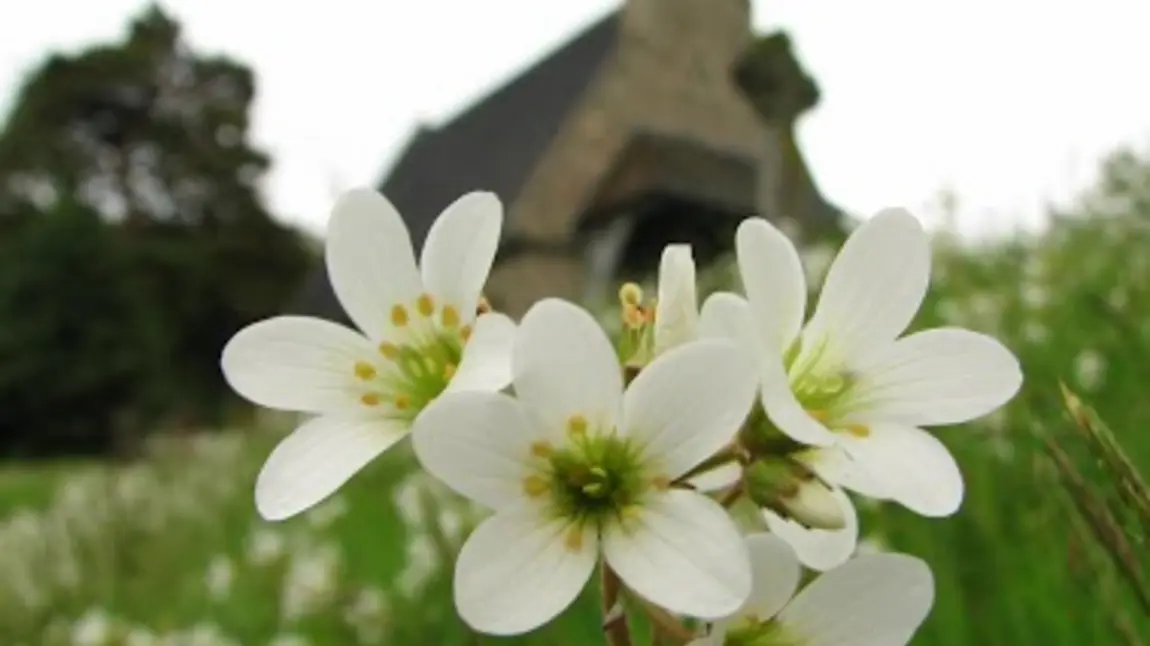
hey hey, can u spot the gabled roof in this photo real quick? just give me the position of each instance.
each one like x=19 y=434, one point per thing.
x=492 y=146
x=496 y=144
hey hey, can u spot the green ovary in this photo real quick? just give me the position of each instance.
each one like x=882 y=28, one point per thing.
x=594 y=478
x=420 y=371
x=750 y=632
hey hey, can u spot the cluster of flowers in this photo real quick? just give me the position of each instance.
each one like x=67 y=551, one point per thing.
x=628 y=458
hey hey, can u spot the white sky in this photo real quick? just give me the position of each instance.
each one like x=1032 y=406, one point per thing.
x=1009 y=103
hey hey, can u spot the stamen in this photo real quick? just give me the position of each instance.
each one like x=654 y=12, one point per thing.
x=574 y=539
x=820 y=415
x=662 y=483
x=630 y=294
x=483 y=307
x=534 y=486
x=399 y=316
x=364 y=370
x=449 y=371
x=542 y=450
x=633 y=316
x=390 y=351
x=857 y=430
x=577 y=425
x=370 y=399
x=465 y=333
x=425 y=304
x=450 y=317
x=402 y=401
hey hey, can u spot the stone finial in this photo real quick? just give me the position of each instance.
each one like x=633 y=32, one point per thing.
x=773 y=80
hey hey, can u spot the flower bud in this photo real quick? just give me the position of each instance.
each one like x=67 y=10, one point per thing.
x=793 y=491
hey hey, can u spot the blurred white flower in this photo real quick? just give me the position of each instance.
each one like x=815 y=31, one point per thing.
x=265 y=546
x=93 y=628
x=422 y=563
x=219 y=577
x=1090 y=369
x=575 y=467
x=326 y=514
x=419 y=336
x=311 y=580
x=874 y=599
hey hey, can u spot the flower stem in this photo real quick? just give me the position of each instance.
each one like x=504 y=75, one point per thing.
x=725 y=456
x=732 y=495
x=664 y=623
x=615 y=628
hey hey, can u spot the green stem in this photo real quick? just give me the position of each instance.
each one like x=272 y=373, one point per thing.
x=615 y=628
x=724 y=457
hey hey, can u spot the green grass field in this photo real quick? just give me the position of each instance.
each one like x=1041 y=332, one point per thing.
x=171 y=552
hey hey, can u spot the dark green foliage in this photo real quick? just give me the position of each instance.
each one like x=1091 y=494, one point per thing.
x=151 y=138
x=80 y=348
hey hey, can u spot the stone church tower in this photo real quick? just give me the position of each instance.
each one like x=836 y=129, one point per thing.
x=665 y=121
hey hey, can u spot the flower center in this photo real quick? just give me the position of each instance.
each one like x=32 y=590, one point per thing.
x=416 y=368
x=750 y=631
x=820 y=384
x=596 y=477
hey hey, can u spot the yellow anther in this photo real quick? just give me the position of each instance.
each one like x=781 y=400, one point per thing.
x=399 y=316
x=534 y=486
x=449 y=371
x=370 y=399
x=574 y=539
x=483 y=307
x=364 y=370
x=577 y=425
x=542 y=450
x=402 y=401
x=662 y=483
x=649 y=311
x=630 y=294
x=820 y=415
x=425 y=304
x=450 y=317
x=857 y=430
x=465 y=333
x=390 y=351
x=633 y=316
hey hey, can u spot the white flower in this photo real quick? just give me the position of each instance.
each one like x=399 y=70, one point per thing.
x=576 y=467
x=845 y=382
x=420 y=337
x=872 y=600
x=677 y=303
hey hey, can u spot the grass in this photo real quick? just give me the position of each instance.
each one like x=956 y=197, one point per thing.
x=173 y=548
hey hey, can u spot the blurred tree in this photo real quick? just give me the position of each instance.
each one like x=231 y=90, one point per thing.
x=152 y=136
x=80 y=345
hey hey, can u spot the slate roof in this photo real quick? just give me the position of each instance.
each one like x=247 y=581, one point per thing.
x=494 y=146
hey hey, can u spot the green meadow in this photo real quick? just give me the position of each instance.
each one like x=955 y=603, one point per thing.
x=168 y=550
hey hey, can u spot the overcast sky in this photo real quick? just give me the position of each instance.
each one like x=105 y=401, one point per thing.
x=1009 y=103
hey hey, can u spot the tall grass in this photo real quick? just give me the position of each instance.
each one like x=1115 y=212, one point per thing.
x=169 y=551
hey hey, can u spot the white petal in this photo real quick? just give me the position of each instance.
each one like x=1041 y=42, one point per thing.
x=775 y=574
x=728 y=316
x=460 y=249
x=941 y=376
x=682 y=553
x=717 y=479
x=677 y=304
x=914 y=468
x=318 y=458
x=773 y=278
x=689 y=403
x=370 y=261
x=517 y=571
x=874 y=600
x=477 y=443
x=486 y=363
x=564 y=364
x=816 y=548
x=874 y=287
x=837 y=467
x=783 y=408
x=295 y=363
